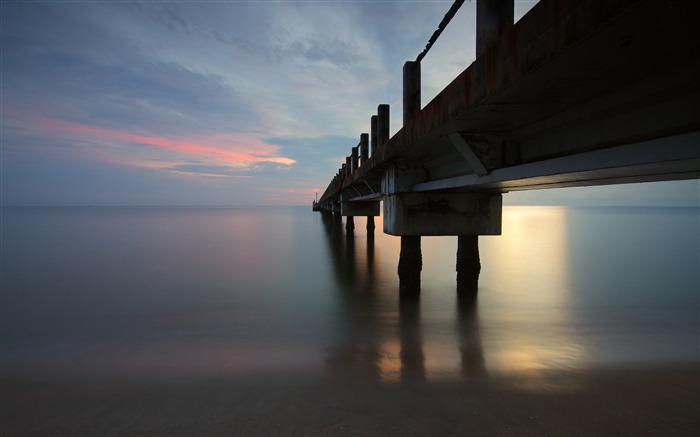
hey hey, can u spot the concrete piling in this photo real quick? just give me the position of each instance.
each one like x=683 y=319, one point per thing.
x=370 y=225
x=350 y=224
x=468 y=264
x=410 y=266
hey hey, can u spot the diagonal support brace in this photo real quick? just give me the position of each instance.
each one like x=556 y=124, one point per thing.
x=472 y=159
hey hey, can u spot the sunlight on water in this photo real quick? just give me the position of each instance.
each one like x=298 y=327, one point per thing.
x=527 y=280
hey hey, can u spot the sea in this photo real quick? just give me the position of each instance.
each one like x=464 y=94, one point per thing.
x=112 y=294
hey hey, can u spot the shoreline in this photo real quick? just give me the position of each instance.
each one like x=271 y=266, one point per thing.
x=631 y=400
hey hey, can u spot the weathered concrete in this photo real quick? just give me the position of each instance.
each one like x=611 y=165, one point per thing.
x=360 y=208
x=442 y=214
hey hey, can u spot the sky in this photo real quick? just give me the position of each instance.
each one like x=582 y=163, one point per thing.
x=221 y=103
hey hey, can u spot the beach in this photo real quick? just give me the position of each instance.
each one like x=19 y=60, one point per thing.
x=662 y=401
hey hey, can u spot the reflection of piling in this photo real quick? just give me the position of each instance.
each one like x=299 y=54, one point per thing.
x=412 y=357
x=410 y=266
x=473 y=363
x=468 y=264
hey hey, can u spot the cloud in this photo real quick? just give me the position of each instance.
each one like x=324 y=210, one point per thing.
x=205 y=102
x=235 y=149
x=205 y=170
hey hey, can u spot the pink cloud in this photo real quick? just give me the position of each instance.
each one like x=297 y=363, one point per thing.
x=237 y=150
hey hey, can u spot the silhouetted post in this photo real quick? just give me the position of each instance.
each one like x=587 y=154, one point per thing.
x=411 y=258
x=468 y=264
x=348 y=166
x=370 y=225
x=373 y=135
x=354 y=159
x=364 y=148
x=493 y=17
x=411 y=91
x=382 y=125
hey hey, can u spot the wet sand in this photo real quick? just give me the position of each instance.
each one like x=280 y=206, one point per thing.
x=651 y=401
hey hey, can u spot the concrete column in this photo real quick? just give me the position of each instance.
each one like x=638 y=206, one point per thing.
x=411 y=258
x=370 y=225
x=373 y=135
x=350 y=224
x=468 y=264
x=410 y=266
x=493 y=17
x=411 y=90
x=382 y=125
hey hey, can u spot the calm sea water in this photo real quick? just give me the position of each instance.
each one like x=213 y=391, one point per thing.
x=113 y=293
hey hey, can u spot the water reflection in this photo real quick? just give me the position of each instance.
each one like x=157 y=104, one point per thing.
x=412 y=356
x=383 y=338
x=471 y=350
x=532 y=328
x=521 y=332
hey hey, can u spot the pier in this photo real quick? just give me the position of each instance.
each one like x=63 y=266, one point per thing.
x=576 y=93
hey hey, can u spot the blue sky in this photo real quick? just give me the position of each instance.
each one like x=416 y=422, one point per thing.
x=221 y=103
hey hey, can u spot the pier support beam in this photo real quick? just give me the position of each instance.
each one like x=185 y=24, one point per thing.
x=368 y=208
x=443 y=214
x=410 y=267
x=468 y=264
x=370 y=225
